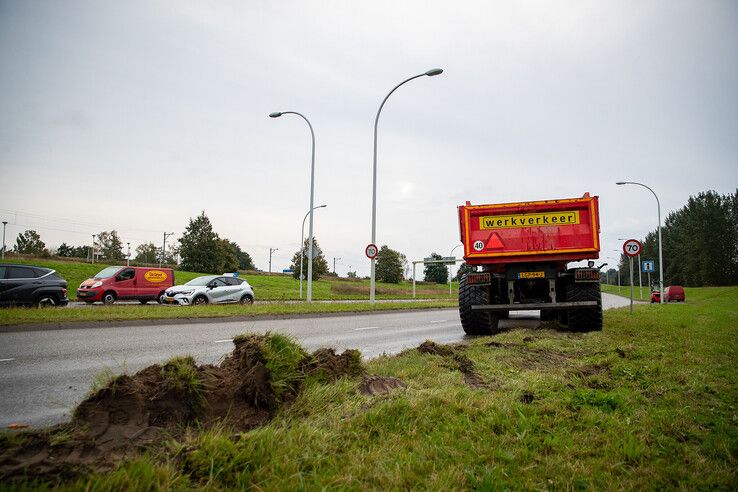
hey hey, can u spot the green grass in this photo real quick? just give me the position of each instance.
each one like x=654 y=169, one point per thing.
x=18 y=316
x=267 y=287
x=648 y=403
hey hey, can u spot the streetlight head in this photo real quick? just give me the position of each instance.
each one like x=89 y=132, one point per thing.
x=321 y=206
x=620 y=183
x=434 y=71
x=275 y=115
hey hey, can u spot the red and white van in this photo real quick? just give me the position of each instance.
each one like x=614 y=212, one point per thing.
x=117 y=283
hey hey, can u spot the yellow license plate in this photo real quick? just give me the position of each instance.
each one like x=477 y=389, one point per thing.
x=167 y=298
x=531 y=275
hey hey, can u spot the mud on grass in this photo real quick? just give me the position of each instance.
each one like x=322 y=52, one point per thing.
x=132 y=413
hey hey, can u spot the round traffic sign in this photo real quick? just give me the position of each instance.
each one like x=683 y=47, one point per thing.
x=371 y=251
x=632 y=247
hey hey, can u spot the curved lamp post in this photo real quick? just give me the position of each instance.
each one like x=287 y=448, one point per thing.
x=661 y=255
x=302 y=243
x=312 y=190
x=430 y=73
x=450 y=277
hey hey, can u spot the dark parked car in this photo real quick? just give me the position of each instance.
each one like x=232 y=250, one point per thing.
x=28 y=285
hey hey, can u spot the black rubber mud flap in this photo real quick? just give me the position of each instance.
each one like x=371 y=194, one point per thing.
x=589 y=319
x=476 y=322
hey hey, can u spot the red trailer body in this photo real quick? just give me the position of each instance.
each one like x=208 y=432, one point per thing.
x=551 y=230
x=519 y=254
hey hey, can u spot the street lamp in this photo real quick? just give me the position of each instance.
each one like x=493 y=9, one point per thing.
x=312 y=191
x=93 y=248
x=302 y=243
x=5 y=222
x=429 y=73
x=661 y=255
x=450 y=277
x=271 y=250
x=334 y=264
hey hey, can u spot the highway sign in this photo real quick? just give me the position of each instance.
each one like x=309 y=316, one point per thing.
x=632 y=247
x=371 y=251
x=649 y=266
x=446 y=260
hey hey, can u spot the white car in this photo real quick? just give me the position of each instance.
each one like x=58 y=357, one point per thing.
x=214 y=289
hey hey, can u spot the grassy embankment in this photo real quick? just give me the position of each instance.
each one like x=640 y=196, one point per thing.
x=648 y=403
x=268 y=287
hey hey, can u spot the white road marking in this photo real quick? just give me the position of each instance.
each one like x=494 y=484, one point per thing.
x=224 y=341
x=6 y=360
x=366 y=328
x=438 y=321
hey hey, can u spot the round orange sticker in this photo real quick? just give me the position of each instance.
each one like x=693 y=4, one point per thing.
x=155 y=276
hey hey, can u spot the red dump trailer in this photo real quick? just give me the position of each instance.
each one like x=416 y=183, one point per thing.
x=520 y=252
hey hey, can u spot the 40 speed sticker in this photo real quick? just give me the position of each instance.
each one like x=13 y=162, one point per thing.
x=478 y=245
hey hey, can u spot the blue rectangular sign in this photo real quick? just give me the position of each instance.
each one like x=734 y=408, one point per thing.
x=647 y=266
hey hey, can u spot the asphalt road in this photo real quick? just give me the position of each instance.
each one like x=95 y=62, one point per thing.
x=45 y=373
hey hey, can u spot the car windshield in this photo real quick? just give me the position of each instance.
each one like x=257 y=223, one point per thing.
x=107 y=272
x=200 y=281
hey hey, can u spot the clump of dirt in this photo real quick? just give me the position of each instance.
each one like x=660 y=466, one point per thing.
x=588 y=370
x=460 y=362
x=527 y=357
x=527 y=398
x=134 y=412
x=432 y=348
x=379 y=385
x=326 y=365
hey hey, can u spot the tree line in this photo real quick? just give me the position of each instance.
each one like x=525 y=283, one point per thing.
x=699 y=242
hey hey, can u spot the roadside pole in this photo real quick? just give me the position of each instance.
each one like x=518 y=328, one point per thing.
x=631 y=285
x=632 y=248
x=640 y=280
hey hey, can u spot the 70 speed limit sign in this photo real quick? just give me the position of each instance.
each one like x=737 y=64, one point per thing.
x=632 y=247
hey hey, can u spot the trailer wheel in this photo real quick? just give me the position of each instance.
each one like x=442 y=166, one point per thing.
x=589 y=319
x=476 y=322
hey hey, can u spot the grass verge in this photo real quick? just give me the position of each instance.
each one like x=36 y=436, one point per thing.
x=648 y=403
x=19 y=316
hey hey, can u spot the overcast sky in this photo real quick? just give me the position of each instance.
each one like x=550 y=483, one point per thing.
x=135 y=116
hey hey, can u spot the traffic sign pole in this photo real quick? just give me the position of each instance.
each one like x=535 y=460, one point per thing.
x=631 y=285
x=640 y=281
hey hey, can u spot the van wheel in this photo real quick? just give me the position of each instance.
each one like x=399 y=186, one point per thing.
x=247 y=299
x=143 y=301
x=200 y=300
x=46 y=300
x=108 y=298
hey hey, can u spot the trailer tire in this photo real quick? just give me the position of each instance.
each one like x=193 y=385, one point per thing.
x=476 y=322
x=589 y=319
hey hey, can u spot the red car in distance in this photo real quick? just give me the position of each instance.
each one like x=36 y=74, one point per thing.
x=673 y=293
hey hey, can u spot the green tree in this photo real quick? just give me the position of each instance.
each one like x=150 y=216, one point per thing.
x=388 y=266
x=351 y=275
x=146 y=253
x=320 y=265
x=227 y=256
x=30 y=243
x=109 y=246
x=199 y=246
x=80 y=252
x=244 y=259
x=463 y=268
x=436 y=272
x=64 y=250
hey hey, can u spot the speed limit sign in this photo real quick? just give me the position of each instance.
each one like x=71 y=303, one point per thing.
x=632 y=247
x=371 y=251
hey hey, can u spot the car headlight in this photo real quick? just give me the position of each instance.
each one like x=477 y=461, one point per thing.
x=96 y=285
x=186 y=292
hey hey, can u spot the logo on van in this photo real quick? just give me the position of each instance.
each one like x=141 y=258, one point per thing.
x=155 y=276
